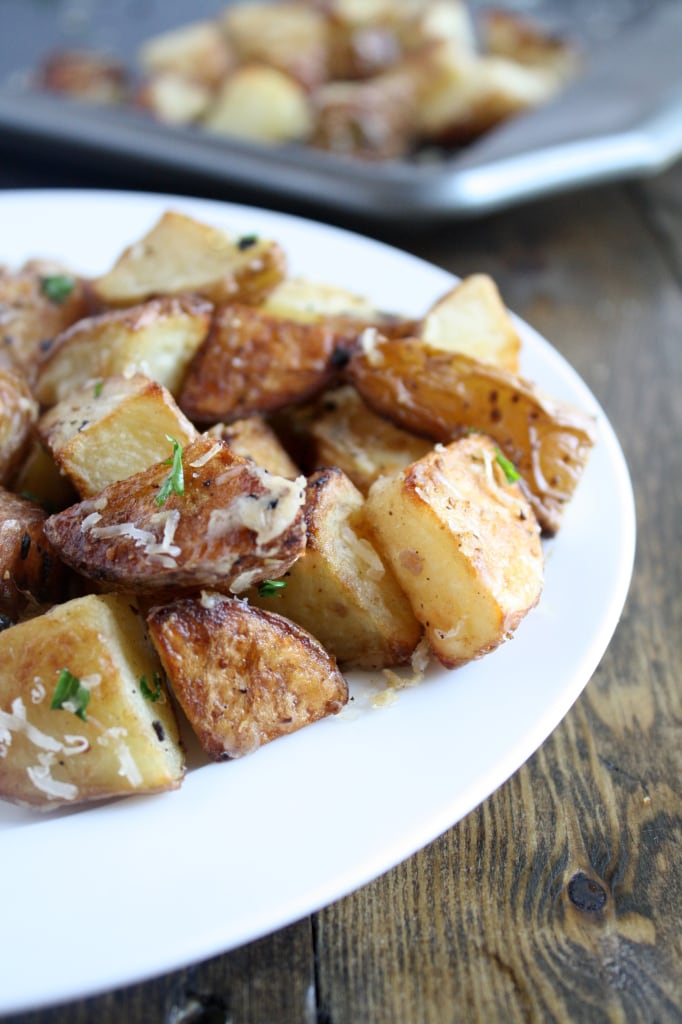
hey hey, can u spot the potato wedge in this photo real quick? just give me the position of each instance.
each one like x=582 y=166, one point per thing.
x=471 y=318
x=227 y=524
x=98 y=737
x=180 y=254
x=252 y=362
x=341 y=589
x=31 y=573
x=37 y=302
x=371 y=120
x=198 y=51
x=18 y=414
x=464 y=545
x=442 y=395
x=290 y=37
x=346 y=433
x=254 y=439
x=243 y=676
x=112 y=429
x=40 y=480
x=262 y=104
x=157 y=338
x=174 y=99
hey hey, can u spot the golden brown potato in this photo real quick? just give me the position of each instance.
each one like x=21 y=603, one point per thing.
x=506 y=34
x=180 y=254
x=252 y=362
x=210 y=519
x=174 y=99
x=85 y=75
x=442 y=395
x=84 y=711
x=197 y=52
x=344 y=432
x=341 y=589
x=254 y=439
x=371 y=119
x=39 y=479
x=110 y=430
x=31 y=573
x=472 y=318
x=37 y=302
x=157 y=338
x=18 y=413
x=288 y=36
x=243 y=676
x=464 y=545
x=260 y=103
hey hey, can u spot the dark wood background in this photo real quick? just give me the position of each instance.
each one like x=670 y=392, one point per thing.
x=559 y=898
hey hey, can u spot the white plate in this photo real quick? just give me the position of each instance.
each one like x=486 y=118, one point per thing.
x=101 y=897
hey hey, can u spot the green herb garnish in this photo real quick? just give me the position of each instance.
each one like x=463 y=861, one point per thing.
x=147 y=693
x=175 y=481
x=57 y=287
x=246 y=241
x=271 y=588
x=510 y=471
x=97 y=390
x=70 y=691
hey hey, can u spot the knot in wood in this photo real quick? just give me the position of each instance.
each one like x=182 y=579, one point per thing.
x=586 y=894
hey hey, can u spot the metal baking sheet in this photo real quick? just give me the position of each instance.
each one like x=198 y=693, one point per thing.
x=621 y=118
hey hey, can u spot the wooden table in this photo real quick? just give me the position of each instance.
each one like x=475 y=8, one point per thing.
x=559 y=898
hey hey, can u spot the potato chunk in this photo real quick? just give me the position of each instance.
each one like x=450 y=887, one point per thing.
x=180 y=254
x=253 y=362
x=18 y=413
x=30 y=571
x=98 y=737
x=254 y=439
x=198 y=52
x=442 y=395
x=224 y=523
x=243 y=676
x=157 y=338
x=341 y=589
x=464 y=545
x=262 y=104
x=112 y=429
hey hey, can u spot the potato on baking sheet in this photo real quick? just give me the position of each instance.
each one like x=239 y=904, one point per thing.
x=372 y=119
x=88 y=76
x=253 y=362
x=18 y=414
x=84 y=711
x=345 y=432
x=506 y=34
x=443 y=395
x=253 y=438
x=341 y=589
x=180 y=254
x=197 y=51
x=289 y=36
x=31 y=573
x=174 y=99
x=111 y=429
x=157 y=338
x=472 y=318
x=243 y=676
x=204 y=517
x=262 y=104
x=37 y=302
x=464 y=544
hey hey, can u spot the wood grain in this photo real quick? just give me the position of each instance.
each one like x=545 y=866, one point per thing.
x=559 y=898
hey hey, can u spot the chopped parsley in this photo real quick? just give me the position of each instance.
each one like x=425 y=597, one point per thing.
x=510 y=471
x=175 y=481
x=147 y=693
x=70 y=695
x=58 y=287
x=271 y=588
x=97 y=390
x=246 y=241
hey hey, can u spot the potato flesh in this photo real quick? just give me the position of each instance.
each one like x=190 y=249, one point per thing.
x=443 y=395
x=243 y=676
x=30 y=571
x=126 y=745
x=252 y=438
x=464 y=545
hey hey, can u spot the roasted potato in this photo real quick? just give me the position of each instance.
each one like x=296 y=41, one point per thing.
x=243 y=676
x=40 y=480
x=174 y=99
x=306 y=301
x=252 y=362
x=37 y=302
x=464 y=544
x=341 y=589
x=505 y=34
x=31 y=574
x=87 y=76
x=110 y=430
x=213 y=519
x=84 y=711
x=157 y=338
x=18 y=414
x=371 y=120
x=442 y=395
x=262 y=104
x=471 y=318
x=255 y=439
x=198 y=52
x=290 y=37
x=180 y=254
x=345 y=432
